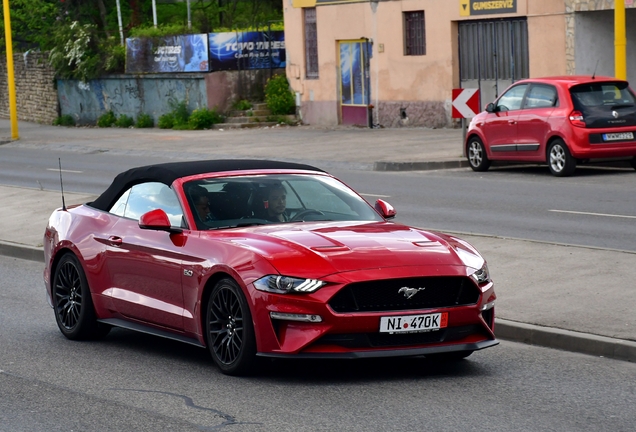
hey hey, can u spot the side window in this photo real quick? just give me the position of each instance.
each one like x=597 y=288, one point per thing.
x=541 y=96
x=511 y=100
x=144 y=197
x=120 y=206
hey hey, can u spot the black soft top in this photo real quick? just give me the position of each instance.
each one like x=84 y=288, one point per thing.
x=167 y=173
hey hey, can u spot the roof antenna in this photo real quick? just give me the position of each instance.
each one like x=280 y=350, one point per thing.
x=59 y=161
x=594 y=74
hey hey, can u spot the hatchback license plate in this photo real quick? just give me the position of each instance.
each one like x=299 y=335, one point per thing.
x=618 y=136
x=413 y=323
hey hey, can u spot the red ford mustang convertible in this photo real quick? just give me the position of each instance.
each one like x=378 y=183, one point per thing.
x=253 y=258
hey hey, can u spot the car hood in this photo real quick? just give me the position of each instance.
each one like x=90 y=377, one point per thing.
x=320 y=249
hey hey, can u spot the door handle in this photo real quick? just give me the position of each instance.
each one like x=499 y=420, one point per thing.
x=115 y=241
x=512 y=122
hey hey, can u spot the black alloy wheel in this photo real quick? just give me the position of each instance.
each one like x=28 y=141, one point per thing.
x=476 y=155
x=560 y=161
x=229 y=329
x=72 y=302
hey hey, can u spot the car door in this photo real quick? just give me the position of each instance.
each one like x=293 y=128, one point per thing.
x=145 y=266
x=500 y=126
x=533 y=122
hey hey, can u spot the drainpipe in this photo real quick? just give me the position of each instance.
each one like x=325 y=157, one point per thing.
x=620 y=41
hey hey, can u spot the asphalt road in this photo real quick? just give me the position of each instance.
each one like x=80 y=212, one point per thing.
x=594 y=208
x=131 y=381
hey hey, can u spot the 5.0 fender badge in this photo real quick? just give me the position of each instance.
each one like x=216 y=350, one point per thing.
x=409 y=292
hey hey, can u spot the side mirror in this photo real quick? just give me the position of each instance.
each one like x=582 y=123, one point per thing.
x=385 y=209
x=491 y=108
x=157 y=220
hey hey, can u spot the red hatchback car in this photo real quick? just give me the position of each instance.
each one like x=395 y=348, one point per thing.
x=263 y=259
x=560 y=121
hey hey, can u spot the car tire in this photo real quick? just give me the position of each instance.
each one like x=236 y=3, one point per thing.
x=229 y=329
x=560 y=161
x=476 y=155
x=72 y=302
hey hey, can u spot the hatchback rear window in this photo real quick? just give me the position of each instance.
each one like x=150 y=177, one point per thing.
x=602 y=94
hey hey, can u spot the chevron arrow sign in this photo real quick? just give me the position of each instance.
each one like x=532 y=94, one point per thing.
x=465 y=103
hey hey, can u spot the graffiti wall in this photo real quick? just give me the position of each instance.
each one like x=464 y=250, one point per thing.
x=86 y=102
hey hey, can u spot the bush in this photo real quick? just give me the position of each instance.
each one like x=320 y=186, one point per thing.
x=180 y=113
x=145 y=121
x=106 y=120
x=280 y=100
x=65 y=120
x=166 y=121
x=124 y=121
x=242 y=105
x=204 y=118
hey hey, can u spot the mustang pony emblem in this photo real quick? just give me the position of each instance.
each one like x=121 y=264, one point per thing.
x=409 y=292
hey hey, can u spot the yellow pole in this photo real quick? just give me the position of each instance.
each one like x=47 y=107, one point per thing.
x=10 y=77
x=620 y=40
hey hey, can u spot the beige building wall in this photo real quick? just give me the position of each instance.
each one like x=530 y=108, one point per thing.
x=419 y=86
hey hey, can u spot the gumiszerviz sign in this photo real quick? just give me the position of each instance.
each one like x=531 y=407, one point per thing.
x=486 y=7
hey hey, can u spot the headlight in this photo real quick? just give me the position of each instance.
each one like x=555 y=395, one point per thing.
x=482 y=275
x=284 y=284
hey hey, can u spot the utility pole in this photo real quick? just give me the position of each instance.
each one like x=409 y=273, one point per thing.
x=10 y=72
x=620 y=40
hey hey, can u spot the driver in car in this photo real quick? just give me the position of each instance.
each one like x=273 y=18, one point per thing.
x=276 y=203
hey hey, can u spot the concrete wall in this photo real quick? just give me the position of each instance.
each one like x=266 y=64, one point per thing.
x=36 y=97
x=149 y=94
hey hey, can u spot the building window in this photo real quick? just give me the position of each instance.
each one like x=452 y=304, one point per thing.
x=311 y=43
x=414 y=33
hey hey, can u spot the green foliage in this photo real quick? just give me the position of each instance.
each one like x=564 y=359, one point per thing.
x=242 y=105
x=162 y=30
x=145 y=121
x=180 y=113
x=280 y=99
x=124 y=121
x=77 y=53
x=114 y=56
x=65 y=120
x=32 y=22
x=204 y=118
x=166 y=121
x=106 y=120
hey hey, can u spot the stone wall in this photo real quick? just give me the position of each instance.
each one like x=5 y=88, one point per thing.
x=36 y=96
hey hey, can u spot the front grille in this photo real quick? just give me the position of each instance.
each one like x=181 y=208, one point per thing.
x=385 y=295
x=383 y=340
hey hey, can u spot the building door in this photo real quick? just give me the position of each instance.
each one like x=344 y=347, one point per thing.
x=492 y=55
x=355 y=89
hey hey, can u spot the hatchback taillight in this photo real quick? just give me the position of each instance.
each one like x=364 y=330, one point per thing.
x=576 y=118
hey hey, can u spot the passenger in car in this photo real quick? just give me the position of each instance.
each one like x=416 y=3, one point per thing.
x=201 y=202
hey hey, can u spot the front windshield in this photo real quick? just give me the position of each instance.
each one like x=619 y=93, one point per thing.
x=230 y=202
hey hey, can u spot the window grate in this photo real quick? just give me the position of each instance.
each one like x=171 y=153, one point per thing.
x=311 y=43
x=414 y=33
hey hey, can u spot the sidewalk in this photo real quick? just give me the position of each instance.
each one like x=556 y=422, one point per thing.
x=567 y=297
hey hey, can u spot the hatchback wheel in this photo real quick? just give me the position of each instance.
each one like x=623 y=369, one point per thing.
x=476 y=154
x=229 y=329
x=72 y=302
x=560 y=161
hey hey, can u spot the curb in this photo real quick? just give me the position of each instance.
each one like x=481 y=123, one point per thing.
x=530 y=334
x=567 y=340
x=21 y=251
x=420 y=166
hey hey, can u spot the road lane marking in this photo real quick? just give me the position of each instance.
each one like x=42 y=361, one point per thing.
x=64 y=170
x=594 y=214
x=375 y=195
